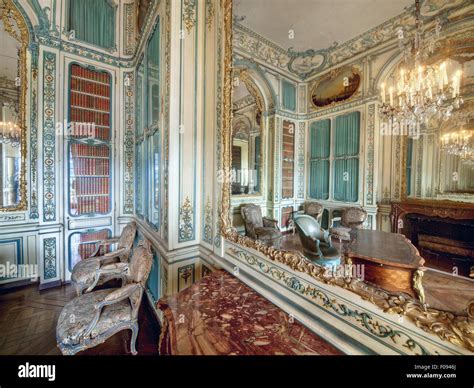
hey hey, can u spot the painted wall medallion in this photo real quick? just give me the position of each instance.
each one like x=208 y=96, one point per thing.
x=337 y=86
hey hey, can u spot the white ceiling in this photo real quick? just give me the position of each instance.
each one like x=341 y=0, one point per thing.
x=316 y=23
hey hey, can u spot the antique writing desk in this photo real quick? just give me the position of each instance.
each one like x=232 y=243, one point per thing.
x=390 y=261
x=220 y=315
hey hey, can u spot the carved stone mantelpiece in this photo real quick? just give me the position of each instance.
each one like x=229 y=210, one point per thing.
x=430 y=208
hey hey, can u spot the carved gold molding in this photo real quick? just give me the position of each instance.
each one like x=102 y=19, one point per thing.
x=16 y=27
x=457 y=329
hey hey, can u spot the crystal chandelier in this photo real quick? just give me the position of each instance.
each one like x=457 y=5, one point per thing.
x=459 y=143
x=421 y=91
x=9 y=134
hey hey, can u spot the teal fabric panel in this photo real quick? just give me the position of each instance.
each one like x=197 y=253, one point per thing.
x=153 y=282
x=289 y=95
x=346 y=190
x=319 y=185
x=320 y=139
x=319 y=164
x=93 y=21
x=346 y=157
x=346 y=136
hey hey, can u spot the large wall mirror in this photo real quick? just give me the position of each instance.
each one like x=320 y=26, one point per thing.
x=13 y=84
x=439 y=159
x=257 y=225
x=246 y=138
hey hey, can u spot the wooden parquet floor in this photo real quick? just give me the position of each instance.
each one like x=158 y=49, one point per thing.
x=28 y=324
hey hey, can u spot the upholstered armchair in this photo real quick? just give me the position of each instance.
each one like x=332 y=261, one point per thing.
x=260 y=228
x=90 y=319
x=316 y=241
x=99 y=269
x=352 y=217
x=313 y=209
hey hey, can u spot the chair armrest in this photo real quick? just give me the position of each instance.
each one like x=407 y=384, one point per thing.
x=120 y=294
x=270 y=223
x=335 y=219
x=115 y=253
x=104 y=243
x=111 y=255
x=316 y=245
x=117 y=270
x=326 y=237
x=114 y=297
x=109 y=241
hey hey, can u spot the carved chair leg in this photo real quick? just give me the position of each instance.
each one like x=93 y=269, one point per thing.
x=133 y=341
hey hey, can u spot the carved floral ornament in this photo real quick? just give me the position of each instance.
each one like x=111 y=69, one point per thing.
x=457 y=329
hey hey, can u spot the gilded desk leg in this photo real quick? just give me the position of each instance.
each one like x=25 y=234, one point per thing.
x=418 y=286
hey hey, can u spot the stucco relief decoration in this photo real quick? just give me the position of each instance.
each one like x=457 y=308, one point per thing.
x=189 y=14
x=306 y=63
x=253 y=44
x=186 y=228
x=433 y=7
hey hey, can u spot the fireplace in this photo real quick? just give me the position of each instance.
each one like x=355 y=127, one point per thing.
x=442 y=231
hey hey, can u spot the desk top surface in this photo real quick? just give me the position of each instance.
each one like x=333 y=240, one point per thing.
x=384 y=248
x=220 y=315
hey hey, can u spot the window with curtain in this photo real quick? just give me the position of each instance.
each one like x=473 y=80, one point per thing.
x=319 y=159
x=93 y=21
x=346 y=157
x=336 y=156
x=289 y=95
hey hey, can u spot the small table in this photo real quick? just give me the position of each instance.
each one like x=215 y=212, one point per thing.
x=220 y=315
x=390 y=261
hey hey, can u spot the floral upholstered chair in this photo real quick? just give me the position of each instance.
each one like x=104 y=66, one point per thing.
x=90 y=319
x=313 y=209
x=352 y=217
x=260 y=228
x=99 y=269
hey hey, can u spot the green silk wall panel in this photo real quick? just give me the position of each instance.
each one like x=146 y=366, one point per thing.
x=346 y=157
x=289 y=95
x=93 y=21
x=319 y=159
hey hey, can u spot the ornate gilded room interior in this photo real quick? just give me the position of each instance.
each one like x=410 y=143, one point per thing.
x=247 y=177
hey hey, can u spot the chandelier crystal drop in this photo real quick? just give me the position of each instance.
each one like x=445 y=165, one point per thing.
x=421 y=91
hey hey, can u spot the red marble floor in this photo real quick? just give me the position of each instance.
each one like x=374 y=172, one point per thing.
x=220 y=315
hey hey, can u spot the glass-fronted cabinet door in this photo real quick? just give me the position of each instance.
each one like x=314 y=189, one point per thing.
x=89 y=194
x=153 y=123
